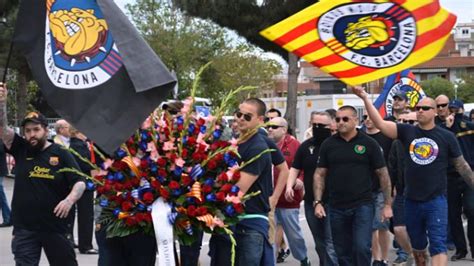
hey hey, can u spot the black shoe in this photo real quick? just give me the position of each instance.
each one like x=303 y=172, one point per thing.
x=282 y=255
x=459 y=255
x=89 y=251
x=6 y=224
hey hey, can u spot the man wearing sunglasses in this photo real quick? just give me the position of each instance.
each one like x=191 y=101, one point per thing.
x=460 y=195
x=347 y=162
x=442 y=102
x=429 y=149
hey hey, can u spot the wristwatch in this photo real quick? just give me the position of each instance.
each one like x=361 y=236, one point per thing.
x=316 y=202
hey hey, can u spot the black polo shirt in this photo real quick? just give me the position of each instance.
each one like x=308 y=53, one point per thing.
x=350 y=165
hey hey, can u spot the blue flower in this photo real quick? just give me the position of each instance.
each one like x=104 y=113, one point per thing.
x=178 y=171
x=104 y=203
x=176 y=192
x=144 y=136
x=191 y=128
x=110 y=176
x=90 y=185
x=141 y=207
x=211 y=197
x=217 y=134
x=203 y=129
x=117 y=212
x=235 y=189
x=209 y=182
x=229 y=210
x=153 y=168
x=121 y=153
x=119 y=176
x=179 y=120
x=143 y=145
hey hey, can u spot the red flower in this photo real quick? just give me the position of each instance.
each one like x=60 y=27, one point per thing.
x=126 y=206
x=180 y=127
x=119 y=165
x=132 y=151
x=201 y=122
x=173 y=157
x=186 y=180
x=236 y=176
x=226 y=188
x=220 y=196
x=164 y=193
x=148 y=197
x=147 y=217
x=161 y=162
x=214 y=146
x=191 y=141
x=128 y=185
x=238 y=207
x=135 y=182
x=206 y=189
x=144 y=164
x=219 y=157
x=212 y=164
x=155 y=184
x=201 y=211
x=222 y=177
x=174 y=185
x=196 y=157
x=162 y=173
x=191 y=211
x=118 y=187
x=130 y=221
x=184 y=153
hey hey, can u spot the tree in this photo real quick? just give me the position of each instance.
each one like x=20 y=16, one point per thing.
x=248 y=18
x=185 y=44
x=436 y=86
x=466 y=88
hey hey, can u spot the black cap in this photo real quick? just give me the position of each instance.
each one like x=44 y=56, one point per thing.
x=401 y=94
x=456 y=104
x=36 y=118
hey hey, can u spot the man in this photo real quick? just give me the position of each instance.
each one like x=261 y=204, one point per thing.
x=400 y=102
x=63 y=135
x=347 y=161
x=42 y=197
x=442 y=102
x=380 y=235
x=251 y=234
x=305 y=160
x=460 y=196
x=272 y=113
x=429 y=148
x=6 y=212
x=287 y=211
x=396 y=169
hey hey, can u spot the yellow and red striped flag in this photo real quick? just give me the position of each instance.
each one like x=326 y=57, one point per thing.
x=358 y=41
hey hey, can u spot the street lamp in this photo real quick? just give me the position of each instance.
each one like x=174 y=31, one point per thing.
x=456 y=91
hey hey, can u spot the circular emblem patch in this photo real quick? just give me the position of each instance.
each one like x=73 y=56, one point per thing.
x=80 y=52
x=376 y=35
x=423 y=151
x=414 y=95
x=359 y=149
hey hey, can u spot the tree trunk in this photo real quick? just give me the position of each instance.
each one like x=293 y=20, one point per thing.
x=291 y=100
x=22 y=95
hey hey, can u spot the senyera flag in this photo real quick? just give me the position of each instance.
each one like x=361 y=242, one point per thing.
x=92 y=66
x=362 y=40
x=405 y=82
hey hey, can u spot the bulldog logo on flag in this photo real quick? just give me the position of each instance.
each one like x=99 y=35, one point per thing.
x=362 y=40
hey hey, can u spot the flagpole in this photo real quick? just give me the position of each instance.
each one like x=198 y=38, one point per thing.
x=8 y=63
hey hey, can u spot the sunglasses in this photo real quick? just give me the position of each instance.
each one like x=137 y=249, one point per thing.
x=273 y=127
x=247 y=117
x=345 y=119
x=411 y=122
x=319 y=125
x=442 y=105
x=424 y=108
x=364 y=117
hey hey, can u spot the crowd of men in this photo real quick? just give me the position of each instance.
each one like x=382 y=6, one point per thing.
x=409 y=174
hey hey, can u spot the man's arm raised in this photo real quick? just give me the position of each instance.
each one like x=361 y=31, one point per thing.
x=387 y=128
x=6 y=133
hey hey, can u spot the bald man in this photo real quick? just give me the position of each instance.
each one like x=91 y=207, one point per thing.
x=429 y=148
x=442 y=102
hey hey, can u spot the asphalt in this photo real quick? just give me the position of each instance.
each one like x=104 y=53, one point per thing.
x=6 y=257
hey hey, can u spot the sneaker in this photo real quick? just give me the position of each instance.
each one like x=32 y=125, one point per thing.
x=305 y=262
x=6 y=224
x=400 y=261
x=282 y=255
x=380 y=263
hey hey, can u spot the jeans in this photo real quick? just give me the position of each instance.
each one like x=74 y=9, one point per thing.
x=4 y=203
x=460 y=196
x=289 y=219
x=321 y=231
x=352 y=234
x=101 y=238
x=427 y=219
x=249 y=249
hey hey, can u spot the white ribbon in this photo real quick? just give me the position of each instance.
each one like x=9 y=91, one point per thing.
x=163 y=232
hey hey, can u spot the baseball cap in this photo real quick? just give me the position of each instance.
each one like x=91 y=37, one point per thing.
x=401 y=94
x=457 y=104
x=36 y=118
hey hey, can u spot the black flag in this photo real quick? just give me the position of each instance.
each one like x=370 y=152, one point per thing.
x=92 y=66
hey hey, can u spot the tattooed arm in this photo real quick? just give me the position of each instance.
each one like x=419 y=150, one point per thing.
x=6 y=133
x=62 y=209
x=319 y=184
x=463 y=168
x=385 y=184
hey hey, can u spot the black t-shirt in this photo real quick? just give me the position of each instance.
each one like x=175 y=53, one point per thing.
x=39 y=187
x=350 y=167
x=306 y=159
x=277 y=155
x=385 y=144
x=262 y=168
x=426 y=163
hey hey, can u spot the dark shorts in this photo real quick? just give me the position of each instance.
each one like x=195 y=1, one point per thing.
x=378 y=205
x=398 y=207
x=427 y=222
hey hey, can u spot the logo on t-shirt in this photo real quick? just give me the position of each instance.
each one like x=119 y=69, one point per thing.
x=423 y=151
x=53 y=160
x=359 y=149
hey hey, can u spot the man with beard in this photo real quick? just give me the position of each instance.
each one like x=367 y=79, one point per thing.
x=400 y=102
x=428 y=151
x=306 y=160
x=42 y=196
x=347 y=162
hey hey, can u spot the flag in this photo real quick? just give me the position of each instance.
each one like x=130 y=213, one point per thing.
x=92 y=66
x=358 y=41
x=405 y=82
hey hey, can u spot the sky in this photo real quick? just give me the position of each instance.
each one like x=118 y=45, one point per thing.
x=463 y=9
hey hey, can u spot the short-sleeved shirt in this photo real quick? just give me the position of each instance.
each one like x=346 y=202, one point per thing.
x=426 y=163
x=39 y=187
x=306 y=159
x=350 y=165
x=277 y=155
x=385 y=144
x=262 y=168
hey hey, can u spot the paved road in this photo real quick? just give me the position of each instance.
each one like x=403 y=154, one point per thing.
x=6 y=258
